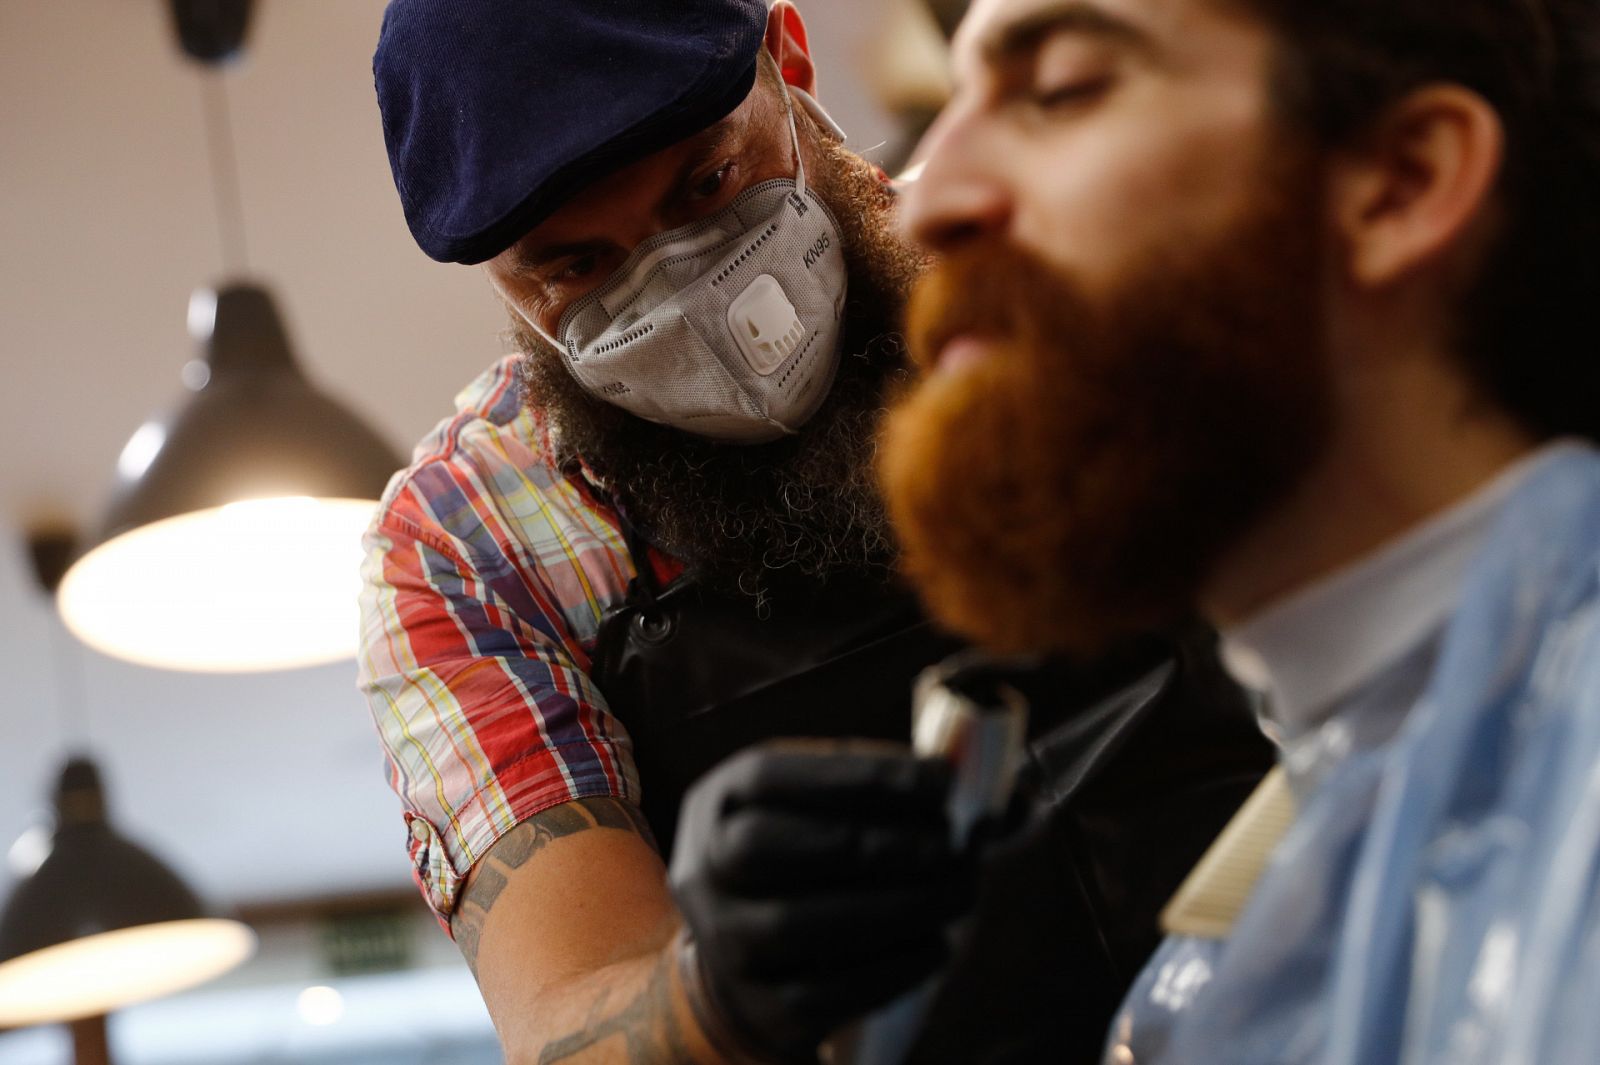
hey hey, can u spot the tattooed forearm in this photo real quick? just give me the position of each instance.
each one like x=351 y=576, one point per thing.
x=647 y=1026
x=517 y=847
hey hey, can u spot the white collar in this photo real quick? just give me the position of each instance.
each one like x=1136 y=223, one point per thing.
x=1316 y=646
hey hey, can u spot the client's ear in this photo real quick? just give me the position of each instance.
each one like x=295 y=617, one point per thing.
x=1418 y=186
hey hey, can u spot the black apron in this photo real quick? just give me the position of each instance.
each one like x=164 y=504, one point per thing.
x=695 y=675
x=1126 y=794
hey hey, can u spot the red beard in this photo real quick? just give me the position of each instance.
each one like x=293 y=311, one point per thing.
x=1078 y=487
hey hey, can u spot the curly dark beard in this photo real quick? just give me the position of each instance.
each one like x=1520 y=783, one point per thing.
x=763 y=518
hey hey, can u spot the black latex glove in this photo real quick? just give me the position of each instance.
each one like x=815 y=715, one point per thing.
x=817 y=882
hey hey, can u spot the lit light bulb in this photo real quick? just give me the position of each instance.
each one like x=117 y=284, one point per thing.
x=256 y=585
x=320 y=1006
x=94 y=975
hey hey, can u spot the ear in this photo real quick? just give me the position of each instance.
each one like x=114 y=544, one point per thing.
x=1418 y=185
x=786 y=40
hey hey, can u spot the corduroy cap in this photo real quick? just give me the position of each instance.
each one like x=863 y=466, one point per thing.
x=495 y=112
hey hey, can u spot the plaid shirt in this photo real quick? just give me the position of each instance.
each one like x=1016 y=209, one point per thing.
x=486 y=577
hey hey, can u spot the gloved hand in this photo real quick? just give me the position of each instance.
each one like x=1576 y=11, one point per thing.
x=817 y=881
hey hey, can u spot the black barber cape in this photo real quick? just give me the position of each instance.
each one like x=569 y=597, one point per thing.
x=1135 y=766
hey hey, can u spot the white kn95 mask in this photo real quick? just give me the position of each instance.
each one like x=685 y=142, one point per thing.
x=728 y=328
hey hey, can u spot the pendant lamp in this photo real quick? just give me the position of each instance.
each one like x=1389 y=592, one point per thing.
x=101 y=923
x=232 y=540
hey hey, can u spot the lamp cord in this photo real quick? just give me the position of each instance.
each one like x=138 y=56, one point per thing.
x=224 y=158
x=72 y=704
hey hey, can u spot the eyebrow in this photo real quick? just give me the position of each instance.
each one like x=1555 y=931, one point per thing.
x=532 y=262
x=1020 y=38
x=707 y=144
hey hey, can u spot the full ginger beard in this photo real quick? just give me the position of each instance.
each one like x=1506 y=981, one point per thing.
x=1079 y=486
x=763 y=518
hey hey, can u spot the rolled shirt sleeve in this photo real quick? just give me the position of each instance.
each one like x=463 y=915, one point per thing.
x=472 y=670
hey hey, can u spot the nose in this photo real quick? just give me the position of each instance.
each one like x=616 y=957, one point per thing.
x=961 y=197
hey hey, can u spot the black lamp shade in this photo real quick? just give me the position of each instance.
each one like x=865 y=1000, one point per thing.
x=97 y=907
x=93 y=881
x=211 y=30
x=232 y=540
x=256 y=428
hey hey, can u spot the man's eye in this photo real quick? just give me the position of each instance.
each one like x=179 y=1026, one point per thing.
x=1066 y=94
x=712 y=183
x=579 y=268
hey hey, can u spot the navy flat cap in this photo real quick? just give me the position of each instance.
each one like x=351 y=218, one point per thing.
x=496 y=112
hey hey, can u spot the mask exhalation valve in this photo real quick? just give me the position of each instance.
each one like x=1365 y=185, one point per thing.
x=765 y=325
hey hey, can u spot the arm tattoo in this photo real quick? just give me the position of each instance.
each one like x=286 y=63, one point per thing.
x=647 y=1026
x=517 y=847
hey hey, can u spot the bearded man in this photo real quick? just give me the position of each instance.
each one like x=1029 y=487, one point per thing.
x=1284 y=311
x=654 y=538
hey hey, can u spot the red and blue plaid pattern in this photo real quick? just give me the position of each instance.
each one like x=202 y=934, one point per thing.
x=486 y=576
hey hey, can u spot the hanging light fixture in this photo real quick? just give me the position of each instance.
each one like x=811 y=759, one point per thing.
x=101 y=923
x=232 y=541
x=95 y=922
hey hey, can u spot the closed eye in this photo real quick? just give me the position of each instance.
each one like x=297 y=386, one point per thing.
x=1070 y=93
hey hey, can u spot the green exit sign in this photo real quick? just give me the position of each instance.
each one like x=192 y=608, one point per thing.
x=366 y=943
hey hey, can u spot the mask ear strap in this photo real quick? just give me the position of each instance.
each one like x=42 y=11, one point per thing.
x=794 y=139
x=526 y=317
x=546 y=337
x=818 y=113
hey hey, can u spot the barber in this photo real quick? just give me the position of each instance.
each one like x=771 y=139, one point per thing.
x=651 y=539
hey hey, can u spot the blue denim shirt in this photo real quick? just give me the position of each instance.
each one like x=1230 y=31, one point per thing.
x=1437 y=901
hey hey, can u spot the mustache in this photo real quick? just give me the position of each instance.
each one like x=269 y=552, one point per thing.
x=992 y=291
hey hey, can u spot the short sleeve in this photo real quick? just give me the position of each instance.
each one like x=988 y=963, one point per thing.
x=485 y=713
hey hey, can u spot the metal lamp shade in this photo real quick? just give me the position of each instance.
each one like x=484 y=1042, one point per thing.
x=232 y=541
x=102 y=923
x=211 y=31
